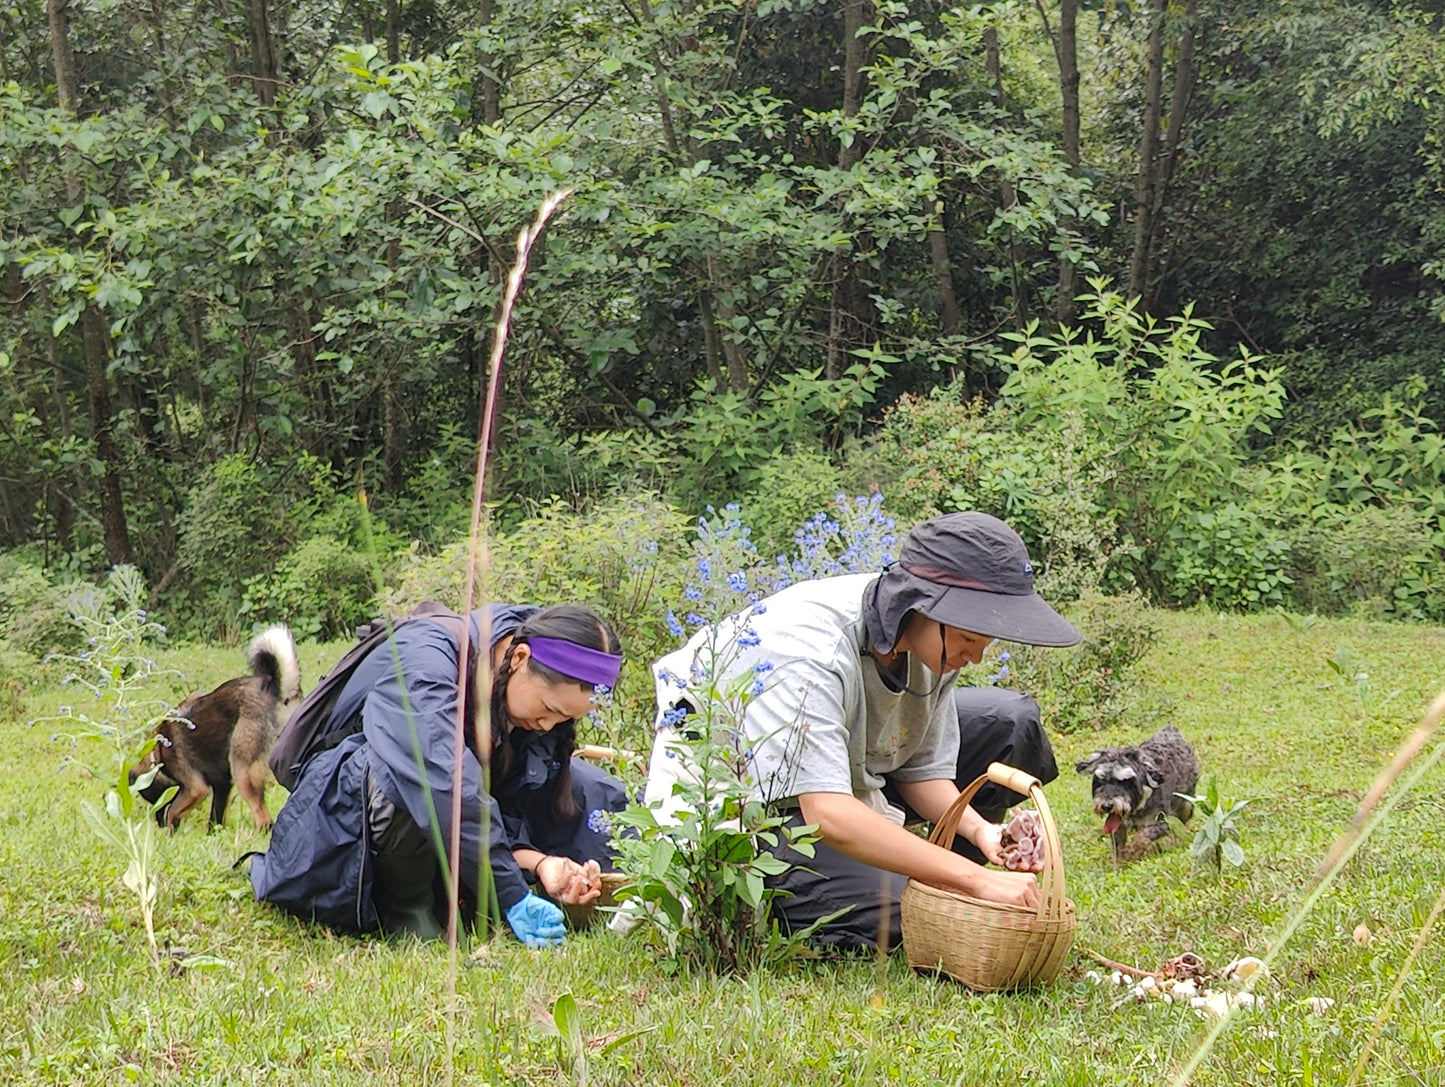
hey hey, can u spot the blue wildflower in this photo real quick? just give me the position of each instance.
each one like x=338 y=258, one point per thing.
x=747 y=639
x=673 y=717
x=738 y=582
x=692 y=592
x=695 y=619
x=762 y=667
x=599 y=821
x=674 y=627
x=757 y=688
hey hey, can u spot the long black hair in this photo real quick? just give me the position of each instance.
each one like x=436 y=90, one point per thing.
x=575 y=623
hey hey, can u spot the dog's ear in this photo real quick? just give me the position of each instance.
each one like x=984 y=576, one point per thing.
x=1088 y=762
x=1153 y=776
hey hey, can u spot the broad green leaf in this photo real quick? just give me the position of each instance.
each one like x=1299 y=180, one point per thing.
x=568 y=1019
x=199 y=962
x=376 y=104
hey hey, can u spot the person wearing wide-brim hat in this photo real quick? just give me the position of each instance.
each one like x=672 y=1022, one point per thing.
x=854 y=717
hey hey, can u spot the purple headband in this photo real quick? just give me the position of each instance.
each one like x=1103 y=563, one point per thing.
x=577 y=661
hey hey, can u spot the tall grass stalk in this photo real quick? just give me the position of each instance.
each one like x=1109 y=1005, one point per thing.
x=476 y=557
x=1389 y=1006
x=1364 y=823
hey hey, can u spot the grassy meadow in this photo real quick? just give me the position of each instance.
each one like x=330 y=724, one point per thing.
x=283 y=1003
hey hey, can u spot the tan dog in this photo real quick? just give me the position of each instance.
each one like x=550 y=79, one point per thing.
x=216 y=737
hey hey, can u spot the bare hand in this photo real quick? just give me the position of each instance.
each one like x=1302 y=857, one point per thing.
x=568 y=882
x=1011 y=888
x=989 y=840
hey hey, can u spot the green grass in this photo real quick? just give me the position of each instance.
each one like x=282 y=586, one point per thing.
x=1272 y=723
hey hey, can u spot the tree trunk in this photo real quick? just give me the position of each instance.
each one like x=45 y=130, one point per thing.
x=737 y=362
x=1185 y=75
x=847 y=323
x=95 y=331
x=66 y=81
x=393 y=31
x=264 y=73
x=96 y=334
x=491 y=96
x=720 y=350
x=1008 y=196
x=1067 y=50
x=948 y=319
x=1148 y=152
x=712 y=342
x=313 y=380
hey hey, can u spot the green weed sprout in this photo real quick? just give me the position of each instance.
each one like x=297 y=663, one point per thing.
x=130 y=828
x=698 y=877
x=1344 y=665
x=572 y=1041
x=112 y=673
x=1217 y=839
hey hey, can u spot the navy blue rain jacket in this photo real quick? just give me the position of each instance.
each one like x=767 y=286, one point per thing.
x=319 y=866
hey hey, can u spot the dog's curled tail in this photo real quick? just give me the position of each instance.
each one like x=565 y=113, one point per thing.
x=272 y=656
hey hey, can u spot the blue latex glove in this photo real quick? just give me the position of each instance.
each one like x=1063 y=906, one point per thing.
x=537 y=922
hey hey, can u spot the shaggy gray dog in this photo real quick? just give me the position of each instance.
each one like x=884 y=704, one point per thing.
x=1136 y=787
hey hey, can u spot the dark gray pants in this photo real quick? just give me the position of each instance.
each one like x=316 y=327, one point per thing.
x=995 y=725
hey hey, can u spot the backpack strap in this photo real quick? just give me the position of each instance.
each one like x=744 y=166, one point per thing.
x=301 y=737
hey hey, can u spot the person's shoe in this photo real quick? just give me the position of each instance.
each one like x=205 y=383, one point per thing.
x=403 y=893
x=417 y=920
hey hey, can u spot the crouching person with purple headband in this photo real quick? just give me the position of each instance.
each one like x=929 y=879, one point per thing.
x=360 y=844
x=859 y=724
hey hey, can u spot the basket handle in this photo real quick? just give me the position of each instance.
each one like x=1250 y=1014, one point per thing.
x=1052 y=898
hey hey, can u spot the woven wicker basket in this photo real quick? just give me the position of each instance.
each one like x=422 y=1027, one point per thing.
x=987 y=945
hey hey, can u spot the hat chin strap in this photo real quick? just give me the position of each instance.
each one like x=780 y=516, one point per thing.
x=898 y=686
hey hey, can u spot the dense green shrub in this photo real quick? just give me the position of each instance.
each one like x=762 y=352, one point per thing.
x=1093 y=684
x=1229 y=556
x=307 y=564
x=1050 y=484
x=625 y=556
x=321 y=589
x=35 y=612
x=791 y=488
x=219 y=543
x=1347 y=562
x=1130 y=458
x=537 y=462
x=1179 y=426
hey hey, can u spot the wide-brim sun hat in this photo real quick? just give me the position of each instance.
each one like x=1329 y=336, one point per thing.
x=969 y=571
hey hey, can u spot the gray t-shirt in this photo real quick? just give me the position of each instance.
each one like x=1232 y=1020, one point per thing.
x=817 y=716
